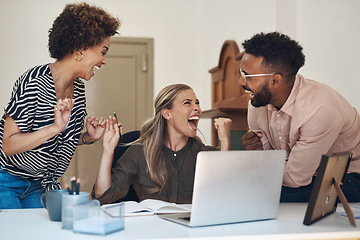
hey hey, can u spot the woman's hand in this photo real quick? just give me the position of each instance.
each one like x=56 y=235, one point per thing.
x=15 y=141
x=223 y=126
x=95 y=128
x=62 y=113
x=112 y=134
x=110 y=140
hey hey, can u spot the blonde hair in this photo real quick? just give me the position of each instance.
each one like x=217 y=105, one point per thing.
x=153 y=135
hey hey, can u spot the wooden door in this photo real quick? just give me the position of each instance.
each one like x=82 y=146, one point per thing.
x=125 y=86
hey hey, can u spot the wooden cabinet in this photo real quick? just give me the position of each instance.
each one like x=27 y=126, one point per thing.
x=229 y=99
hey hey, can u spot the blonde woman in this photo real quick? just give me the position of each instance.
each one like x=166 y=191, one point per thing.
x=162 y=163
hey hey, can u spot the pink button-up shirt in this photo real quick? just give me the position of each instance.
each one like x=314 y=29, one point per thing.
x=314 y=120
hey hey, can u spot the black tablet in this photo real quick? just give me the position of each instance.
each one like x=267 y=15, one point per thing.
x=324 y=197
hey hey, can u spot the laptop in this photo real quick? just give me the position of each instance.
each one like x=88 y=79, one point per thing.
x=234 y=186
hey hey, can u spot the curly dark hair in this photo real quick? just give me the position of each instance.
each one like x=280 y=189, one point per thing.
x=281 y=54
x=80 y=26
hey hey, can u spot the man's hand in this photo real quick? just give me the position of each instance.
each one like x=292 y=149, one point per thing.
x=252 y=141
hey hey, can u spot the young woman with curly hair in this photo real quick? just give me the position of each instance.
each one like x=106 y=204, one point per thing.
x=40 y=128
x=162 y=164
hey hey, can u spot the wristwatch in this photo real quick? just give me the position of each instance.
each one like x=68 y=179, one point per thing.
x=84 y=141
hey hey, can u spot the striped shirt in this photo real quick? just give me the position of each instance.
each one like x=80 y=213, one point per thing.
x=31 y=106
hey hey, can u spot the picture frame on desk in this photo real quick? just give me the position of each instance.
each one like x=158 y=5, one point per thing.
x=327 y=188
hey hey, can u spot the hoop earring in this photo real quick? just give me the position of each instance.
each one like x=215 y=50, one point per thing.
x=76 y=57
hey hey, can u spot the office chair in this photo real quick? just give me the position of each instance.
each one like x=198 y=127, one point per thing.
x=118 y=152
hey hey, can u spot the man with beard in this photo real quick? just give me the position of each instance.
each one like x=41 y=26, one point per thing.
x=303 y=117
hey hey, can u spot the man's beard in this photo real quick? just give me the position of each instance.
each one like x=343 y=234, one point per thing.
x=262 y=98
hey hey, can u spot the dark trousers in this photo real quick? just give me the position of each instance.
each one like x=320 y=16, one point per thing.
x=351 y=190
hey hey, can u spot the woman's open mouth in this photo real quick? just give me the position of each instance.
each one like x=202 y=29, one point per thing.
x=193 y=122
x=97 y=69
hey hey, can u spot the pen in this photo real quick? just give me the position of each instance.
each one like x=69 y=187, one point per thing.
x=73 y=179
x=117 y=122
x=77 y=186
x=68 y=189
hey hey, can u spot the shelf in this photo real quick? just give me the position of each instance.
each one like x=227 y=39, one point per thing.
x=222 y=112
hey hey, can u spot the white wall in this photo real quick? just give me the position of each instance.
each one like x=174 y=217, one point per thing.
x=329 y=31
x=227 y=20
x=188 y=35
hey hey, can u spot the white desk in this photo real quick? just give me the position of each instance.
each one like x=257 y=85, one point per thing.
x=35 y=224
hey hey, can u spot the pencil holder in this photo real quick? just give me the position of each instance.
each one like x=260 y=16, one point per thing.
x=68 y=202
x=98 y=220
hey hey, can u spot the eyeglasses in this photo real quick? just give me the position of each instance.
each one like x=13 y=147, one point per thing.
x=243 y=75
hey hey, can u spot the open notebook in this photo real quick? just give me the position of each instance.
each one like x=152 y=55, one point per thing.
x=145 y=207
x=234 y=186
